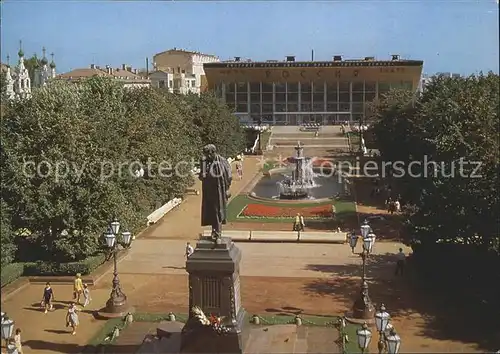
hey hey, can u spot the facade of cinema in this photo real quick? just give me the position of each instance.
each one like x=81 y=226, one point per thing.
x=295 y=93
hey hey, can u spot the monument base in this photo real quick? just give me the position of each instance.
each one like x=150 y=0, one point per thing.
x=203 y=339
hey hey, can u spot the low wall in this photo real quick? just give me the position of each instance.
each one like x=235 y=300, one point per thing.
x=161 y=211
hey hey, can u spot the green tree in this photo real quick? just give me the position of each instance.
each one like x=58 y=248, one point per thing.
x=8 y=247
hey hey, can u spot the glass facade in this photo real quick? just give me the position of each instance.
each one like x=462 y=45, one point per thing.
x=295 y=103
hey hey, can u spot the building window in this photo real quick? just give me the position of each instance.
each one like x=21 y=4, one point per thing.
x=344 y=97
x=280 y=87
x=170 y=83
x=344 y=86
x=318 y=87
x=305 y=87
x=193 y=83
x=357 y=96
x=241 y=108
x=267 y=108
x=344 y=107
x=318 y=107
x=318 y=97
x=242 y=97
x=293 y=97
x=357 y=107
x=332 y=92
x=370 y=86
x=255 y=87
x=280 y=107
x=293 y=87
x=230 y=87
x=255 y=108
x=267 y=87
x=293 y=107
x=230 y=97
x=242 y=87
x=280 y=97
x=267 y=97
x=358 y=86
x=369 y=96
x=187 y=83
x=305 y=107
x=305 y=96
x=332 y=107
x=255 y=97
x=161 y=84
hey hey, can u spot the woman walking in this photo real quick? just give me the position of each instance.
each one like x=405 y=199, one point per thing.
x=86 y=295
x=48 y=297
x=72 y=317
x=18 y=342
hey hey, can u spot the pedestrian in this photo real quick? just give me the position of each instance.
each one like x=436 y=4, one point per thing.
x=299 y=223
x=17 y=341
x=189 y=250
x=86 y=295
x=47 y=298
x=397 y=206
x=239 y=169
x=400 y=263
x=334 y=210
x=77 y=288
x=72 y=318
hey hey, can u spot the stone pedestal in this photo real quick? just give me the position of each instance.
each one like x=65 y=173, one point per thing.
x=214 y=286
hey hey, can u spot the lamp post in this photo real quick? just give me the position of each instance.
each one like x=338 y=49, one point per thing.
x=363 y=307
x=382 y=318
x=7 y=326
x=343 y=338
x=117 y=302
x=260 y=130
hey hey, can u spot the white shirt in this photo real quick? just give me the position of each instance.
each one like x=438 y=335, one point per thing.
x=401 y=256
x=189 y=250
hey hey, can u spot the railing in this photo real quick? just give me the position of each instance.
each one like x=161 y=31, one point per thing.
x=164 y=209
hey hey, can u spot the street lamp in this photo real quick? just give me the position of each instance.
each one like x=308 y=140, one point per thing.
x=365 y=228
x=364 y=337
x=7 y=326
x=393 y=342
x=117 y=302
x=260 y=129
x=363 y=307
x=382 y=318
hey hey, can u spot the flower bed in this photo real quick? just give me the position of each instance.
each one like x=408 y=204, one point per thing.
x=270 y=211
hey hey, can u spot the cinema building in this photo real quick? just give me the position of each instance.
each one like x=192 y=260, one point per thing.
x=297 y=92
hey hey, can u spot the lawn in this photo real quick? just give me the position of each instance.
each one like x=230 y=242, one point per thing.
x=268 y=211
x=104 y=336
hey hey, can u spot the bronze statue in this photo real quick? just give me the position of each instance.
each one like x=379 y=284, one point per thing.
x=216 y=177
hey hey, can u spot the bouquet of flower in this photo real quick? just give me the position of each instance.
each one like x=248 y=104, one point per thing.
x=216 y=323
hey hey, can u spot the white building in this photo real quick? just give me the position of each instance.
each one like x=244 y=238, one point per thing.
x=45 y=72
x=180 y=71
x=18 y=81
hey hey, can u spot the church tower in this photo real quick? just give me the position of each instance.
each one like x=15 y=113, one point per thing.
x=46 y=71
x=9 y=82
x=22 y=84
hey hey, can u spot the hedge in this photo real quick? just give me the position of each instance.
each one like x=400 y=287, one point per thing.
x=13 y=271
x=83 y=267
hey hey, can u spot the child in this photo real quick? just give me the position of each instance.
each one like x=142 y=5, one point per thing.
x=86 y=295
x=72 y=318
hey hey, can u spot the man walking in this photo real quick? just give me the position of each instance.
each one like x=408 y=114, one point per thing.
x=400 y=264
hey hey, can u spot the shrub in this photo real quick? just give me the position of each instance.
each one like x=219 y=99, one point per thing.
x=11 y=272
x=83 y=267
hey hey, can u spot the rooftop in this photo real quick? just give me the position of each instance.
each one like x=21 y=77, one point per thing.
x=337 y=61
x=175 y=50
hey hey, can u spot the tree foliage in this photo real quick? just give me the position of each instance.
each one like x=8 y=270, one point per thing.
x=72 y=158
x=454 y=126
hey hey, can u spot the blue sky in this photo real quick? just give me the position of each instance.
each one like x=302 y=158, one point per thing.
x=449 y=35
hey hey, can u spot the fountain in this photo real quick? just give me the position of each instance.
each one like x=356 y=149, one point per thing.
x=302 y=180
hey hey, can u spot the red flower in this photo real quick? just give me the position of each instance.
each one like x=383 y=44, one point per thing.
x=262 y=210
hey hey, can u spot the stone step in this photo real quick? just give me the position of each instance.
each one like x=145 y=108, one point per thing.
x=322 y=237
x=273 y=236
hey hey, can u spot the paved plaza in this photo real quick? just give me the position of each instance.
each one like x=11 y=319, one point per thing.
x=315 y=278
